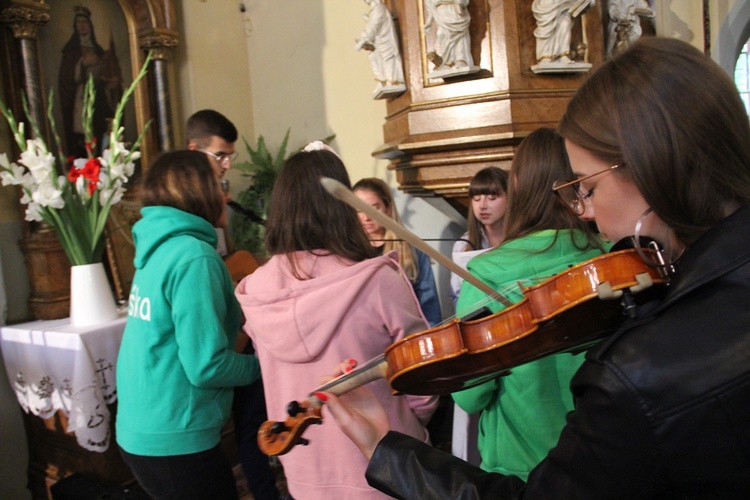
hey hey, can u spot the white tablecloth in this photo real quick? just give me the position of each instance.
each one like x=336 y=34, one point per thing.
x=53 y=365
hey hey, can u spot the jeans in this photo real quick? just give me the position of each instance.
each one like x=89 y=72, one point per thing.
x=197 y=476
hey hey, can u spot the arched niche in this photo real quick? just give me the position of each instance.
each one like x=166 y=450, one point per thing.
x=146 y=26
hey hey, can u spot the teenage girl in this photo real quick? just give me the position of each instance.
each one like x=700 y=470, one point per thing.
x=415 y=263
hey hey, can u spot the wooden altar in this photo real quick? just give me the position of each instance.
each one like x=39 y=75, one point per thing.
x=440 y=132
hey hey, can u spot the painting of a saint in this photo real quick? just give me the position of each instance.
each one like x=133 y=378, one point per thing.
x=83 y=57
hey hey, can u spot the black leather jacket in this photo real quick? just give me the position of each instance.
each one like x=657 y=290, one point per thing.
x=662 y=406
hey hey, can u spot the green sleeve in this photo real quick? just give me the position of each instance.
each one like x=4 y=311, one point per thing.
x=477 y=398
x=201 y=292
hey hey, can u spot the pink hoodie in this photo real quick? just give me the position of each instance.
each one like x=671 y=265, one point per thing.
x=303 y=329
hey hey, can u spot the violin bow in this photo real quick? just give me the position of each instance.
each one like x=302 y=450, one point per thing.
x=344 y=194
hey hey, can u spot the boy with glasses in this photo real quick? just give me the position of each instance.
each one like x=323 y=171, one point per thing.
x=214 y=134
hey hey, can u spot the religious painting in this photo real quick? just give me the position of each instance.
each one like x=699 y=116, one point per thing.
x=86 y=39
x=89 y=39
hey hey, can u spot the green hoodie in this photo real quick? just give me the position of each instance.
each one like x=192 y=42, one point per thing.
x=524 y=412
x=177 y=367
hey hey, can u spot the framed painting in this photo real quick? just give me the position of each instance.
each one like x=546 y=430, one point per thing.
x=86 y=39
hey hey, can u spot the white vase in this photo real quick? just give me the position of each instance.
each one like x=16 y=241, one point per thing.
x=91 y=299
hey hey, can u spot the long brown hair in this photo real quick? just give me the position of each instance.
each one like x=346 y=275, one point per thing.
x=406 y=255
x=184 y=180
x=539 y=161
x=303 y=216
x=675 y=120
x=488 y=181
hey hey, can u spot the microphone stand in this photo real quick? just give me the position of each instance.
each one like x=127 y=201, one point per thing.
x=246 y=212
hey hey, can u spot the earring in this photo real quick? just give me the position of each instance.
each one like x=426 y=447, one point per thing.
x=666 y=269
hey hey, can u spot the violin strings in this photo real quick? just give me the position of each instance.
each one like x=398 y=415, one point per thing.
x=487 y=299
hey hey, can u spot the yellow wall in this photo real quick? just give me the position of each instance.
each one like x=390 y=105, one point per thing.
x=282 y=65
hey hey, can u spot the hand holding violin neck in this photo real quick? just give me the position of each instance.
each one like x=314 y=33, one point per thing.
x=374 y=369
x=278 y=438
x=341 y=192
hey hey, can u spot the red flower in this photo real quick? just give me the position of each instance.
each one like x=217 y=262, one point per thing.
x=90 y=172
x=73 y=174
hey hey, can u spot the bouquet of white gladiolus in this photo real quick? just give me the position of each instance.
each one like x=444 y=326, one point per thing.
x=73 y=195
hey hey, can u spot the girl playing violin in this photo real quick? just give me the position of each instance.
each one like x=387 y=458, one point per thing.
x=523 y=413
x=322 y=295
x=659 y=141
x=415 y=263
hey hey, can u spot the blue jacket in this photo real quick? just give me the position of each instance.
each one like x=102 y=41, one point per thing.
x=426 y=290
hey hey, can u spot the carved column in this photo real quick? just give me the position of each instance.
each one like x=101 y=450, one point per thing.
x=24 y=20
x=47 y=265
x=162 y=42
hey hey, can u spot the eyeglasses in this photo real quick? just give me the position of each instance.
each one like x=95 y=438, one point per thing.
x=569 y=192
x=221 y=158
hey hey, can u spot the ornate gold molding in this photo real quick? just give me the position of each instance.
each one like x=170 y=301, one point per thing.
x=159 y=40
x=24 y=21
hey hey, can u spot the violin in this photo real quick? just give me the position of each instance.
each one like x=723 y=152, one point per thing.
x=565 y=313
x=240 y=264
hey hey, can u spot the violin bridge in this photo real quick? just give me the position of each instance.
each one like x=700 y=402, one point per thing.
x=644 y=281
x=605 y=291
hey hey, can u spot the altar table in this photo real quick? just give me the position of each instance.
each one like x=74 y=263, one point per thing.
x=53 y=366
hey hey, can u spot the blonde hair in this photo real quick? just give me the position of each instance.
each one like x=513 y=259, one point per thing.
x=407 y=256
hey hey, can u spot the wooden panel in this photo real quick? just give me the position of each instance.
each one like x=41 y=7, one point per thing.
x=439 y=133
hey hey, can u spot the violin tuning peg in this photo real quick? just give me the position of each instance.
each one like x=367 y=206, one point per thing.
x=278 y=428
x=303 y=441
x=293 y=409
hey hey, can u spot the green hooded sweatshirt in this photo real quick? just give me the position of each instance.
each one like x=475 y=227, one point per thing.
x=177 y=367
x=524 y=412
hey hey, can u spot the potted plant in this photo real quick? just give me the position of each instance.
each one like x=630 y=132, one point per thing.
x=262 y=169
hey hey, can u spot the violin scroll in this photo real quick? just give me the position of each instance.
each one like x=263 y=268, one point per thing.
x=278 y=438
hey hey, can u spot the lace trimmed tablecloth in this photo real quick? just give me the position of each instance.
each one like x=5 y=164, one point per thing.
x=53 y=366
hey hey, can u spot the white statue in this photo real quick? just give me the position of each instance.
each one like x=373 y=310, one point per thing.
x=451 y=55
x=381 y=41
x=625 y=23
x=554 y=22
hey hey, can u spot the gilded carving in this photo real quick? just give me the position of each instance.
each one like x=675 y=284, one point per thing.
x=24 y=21
x=160 y=41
